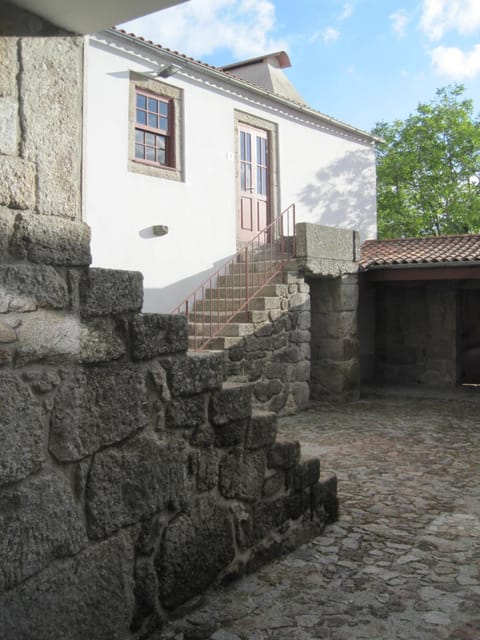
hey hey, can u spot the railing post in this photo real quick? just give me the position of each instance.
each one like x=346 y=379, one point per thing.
x=246 y=279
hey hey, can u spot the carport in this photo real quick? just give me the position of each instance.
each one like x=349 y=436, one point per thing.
x=419 y=311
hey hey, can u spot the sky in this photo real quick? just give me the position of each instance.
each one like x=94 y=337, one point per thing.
x=359 y=61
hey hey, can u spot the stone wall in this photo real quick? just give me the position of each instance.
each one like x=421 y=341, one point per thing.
x=131 y=476
x=335 y=346
x=41 y=93
x=416 y=334
x=328 y=258
x=275 y=358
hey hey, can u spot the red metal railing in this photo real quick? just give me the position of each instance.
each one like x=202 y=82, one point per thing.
x=226 y=294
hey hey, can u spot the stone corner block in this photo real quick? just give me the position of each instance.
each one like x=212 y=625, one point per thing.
x=51 y=240
x=195 y=373
x=156 y=334
x=305 y=474
x=284 y=454
x=232 y=402
x=110 y=291
x=262 y=430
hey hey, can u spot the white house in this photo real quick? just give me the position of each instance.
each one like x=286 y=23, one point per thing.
x=183 y=161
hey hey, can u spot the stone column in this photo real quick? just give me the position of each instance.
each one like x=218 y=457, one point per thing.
x=335 y=367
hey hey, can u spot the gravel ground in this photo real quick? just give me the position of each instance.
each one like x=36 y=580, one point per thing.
x=403 y=560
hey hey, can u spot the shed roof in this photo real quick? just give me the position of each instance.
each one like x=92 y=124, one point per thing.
x=432 y=251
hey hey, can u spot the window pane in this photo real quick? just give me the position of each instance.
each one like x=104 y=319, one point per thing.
x=150 y=139
x=153 y=105
x=160 y=141
x=139 y=151
x=163 y=108
x=141 y=117
x=139 y=136
x=152 y=121
x=248 y=147
x=161 y=156
x=261 y=181
x=163 y=124
x=141 y=101
x=150 y=153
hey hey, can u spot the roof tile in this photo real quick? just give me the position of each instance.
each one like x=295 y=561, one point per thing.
x=434 y=250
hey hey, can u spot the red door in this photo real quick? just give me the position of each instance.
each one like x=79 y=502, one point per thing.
x=254 y=182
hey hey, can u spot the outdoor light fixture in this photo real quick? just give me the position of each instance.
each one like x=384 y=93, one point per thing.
x=168 y=70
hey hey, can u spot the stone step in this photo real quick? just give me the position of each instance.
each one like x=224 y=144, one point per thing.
x=268 y=290
x=257 y=317
x=256 y=304
x=232 y=329
x=219 y=343
x=234 y=280
x=265 y=266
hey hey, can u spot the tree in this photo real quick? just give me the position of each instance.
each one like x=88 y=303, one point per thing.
x=428 y=169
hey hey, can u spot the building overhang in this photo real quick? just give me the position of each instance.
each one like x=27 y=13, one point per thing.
x=411 y=272
x=89 y=16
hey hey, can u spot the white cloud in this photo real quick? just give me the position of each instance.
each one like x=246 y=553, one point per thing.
x=346 y=11
x=399 y=21
x=330 y=34
x=455 y=63
x=246 y=28
x=440 y=16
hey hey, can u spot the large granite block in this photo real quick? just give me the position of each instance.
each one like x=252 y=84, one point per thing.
x=27 y=287
x=17 y=187
x=39 y=523
x=130 y=483
x=157 y=334
x=88 y=596
x=51 y=240
x=96 y=407
x=242 y=474
x=232 y=402
x=195 y=373
x=110 y=291
x=21 y=430
x=196 y=546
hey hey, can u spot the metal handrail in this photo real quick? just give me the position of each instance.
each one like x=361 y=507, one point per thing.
x=264 y=257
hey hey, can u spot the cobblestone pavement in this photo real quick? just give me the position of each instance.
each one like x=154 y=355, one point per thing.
x=402 y=562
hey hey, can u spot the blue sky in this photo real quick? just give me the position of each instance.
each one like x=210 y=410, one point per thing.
x=360 y=61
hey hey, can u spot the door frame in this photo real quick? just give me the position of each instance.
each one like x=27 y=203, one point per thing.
x=240 y=117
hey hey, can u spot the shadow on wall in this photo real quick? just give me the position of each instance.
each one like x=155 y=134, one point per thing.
x=165 y=299
x=343 y=194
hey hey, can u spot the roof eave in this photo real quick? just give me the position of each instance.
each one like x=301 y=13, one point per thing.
x=238 y=82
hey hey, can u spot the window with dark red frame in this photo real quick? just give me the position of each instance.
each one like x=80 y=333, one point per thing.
x=153 y=129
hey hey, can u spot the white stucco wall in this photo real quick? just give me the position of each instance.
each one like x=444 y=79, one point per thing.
x=329 y=175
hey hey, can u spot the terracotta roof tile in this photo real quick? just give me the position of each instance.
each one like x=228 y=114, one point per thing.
x=434 y=250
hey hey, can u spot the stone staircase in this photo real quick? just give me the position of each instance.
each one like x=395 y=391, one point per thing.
x=229 y=294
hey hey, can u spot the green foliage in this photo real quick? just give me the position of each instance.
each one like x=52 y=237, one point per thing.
x=428 y=170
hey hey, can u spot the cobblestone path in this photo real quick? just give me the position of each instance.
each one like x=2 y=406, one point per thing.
x=402 y=562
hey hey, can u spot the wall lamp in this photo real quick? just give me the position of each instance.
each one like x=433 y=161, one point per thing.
x=167 y=70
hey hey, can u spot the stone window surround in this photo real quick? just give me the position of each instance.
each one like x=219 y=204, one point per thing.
x=163 y=90
x=274 y=177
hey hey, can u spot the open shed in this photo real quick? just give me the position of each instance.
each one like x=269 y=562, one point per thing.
x=419 y=311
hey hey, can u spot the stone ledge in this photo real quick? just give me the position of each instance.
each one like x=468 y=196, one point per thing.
x=157 y=334
x=110 y=291
x=50 y=240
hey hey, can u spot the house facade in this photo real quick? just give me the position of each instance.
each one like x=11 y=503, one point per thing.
x=184 y=162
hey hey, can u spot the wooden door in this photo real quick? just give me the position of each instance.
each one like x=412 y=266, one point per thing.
x=253 y=210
